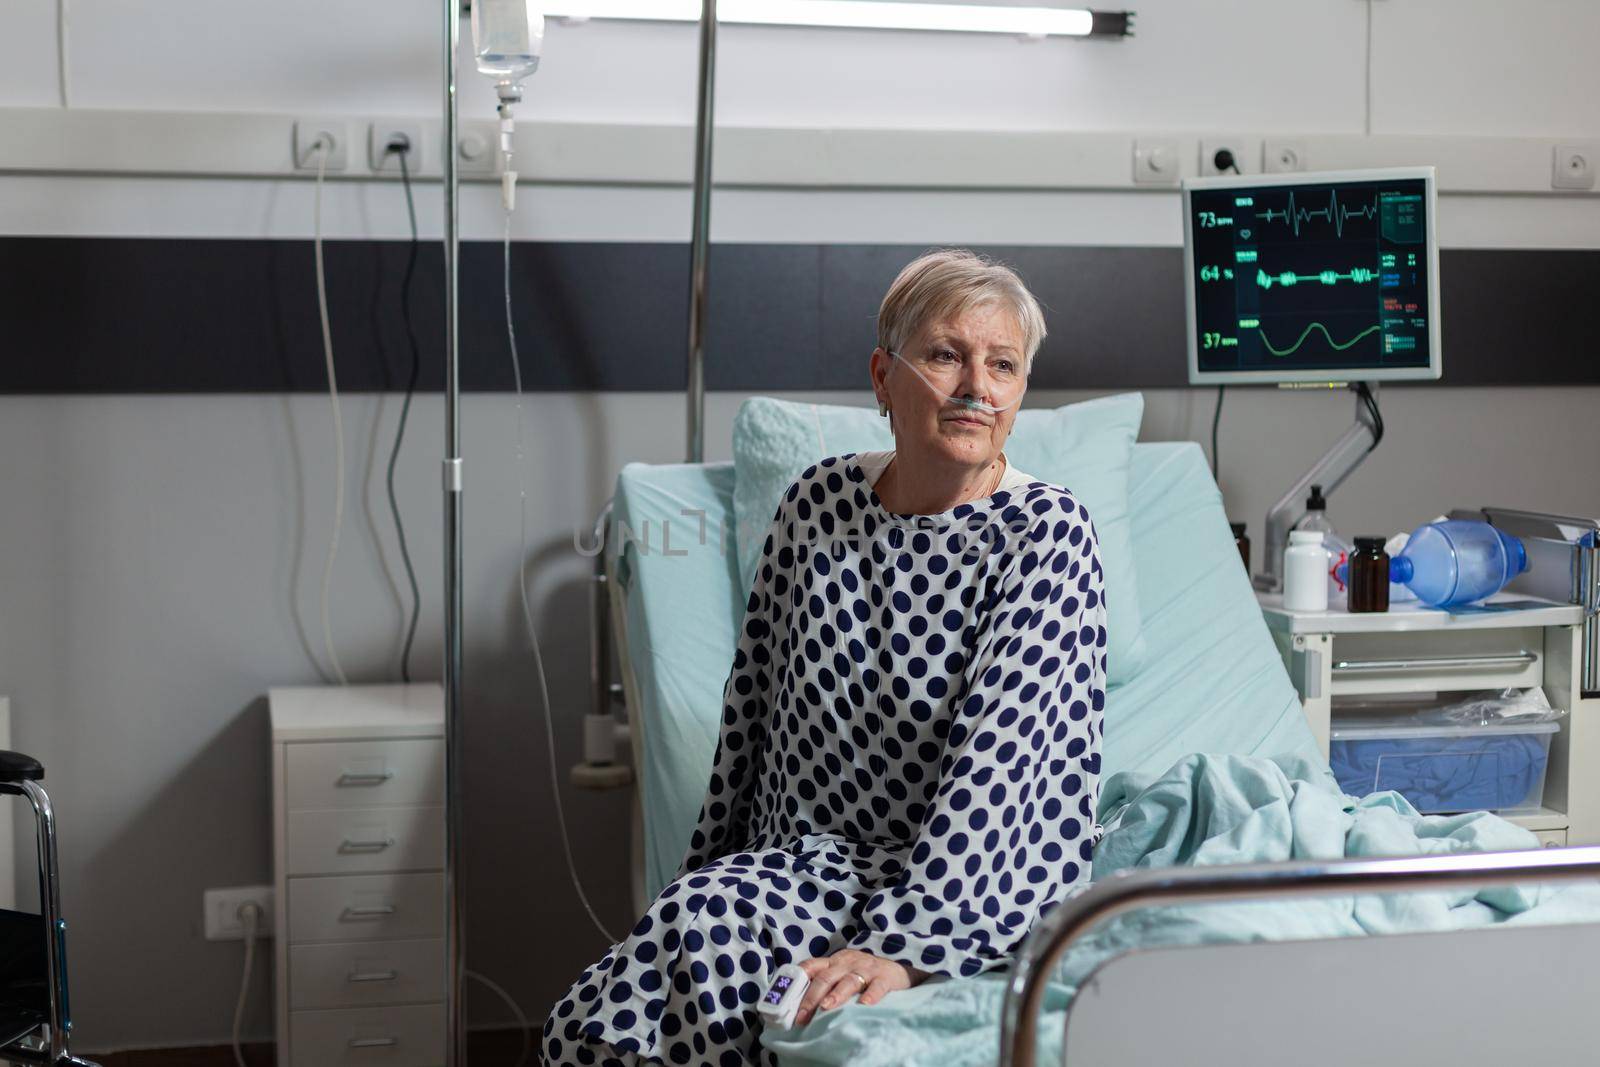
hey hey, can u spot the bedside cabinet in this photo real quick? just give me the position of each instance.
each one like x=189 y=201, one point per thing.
x=1414 y=652
x=358 y=855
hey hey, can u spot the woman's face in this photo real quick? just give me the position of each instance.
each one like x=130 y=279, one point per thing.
x=978 y=353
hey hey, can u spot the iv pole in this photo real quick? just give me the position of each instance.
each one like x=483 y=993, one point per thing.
x=700 y=248
x=455 y=947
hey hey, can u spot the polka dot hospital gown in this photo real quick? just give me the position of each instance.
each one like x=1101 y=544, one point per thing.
x=908 y=765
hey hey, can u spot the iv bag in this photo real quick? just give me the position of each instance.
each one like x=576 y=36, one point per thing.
x=507 y=38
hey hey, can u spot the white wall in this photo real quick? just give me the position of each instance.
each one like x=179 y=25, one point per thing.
x=162 y=552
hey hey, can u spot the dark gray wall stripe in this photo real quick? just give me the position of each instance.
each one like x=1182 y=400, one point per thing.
x=114 y=315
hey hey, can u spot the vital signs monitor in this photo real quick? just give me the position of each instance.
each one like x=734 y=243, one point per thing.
x=1312 y=277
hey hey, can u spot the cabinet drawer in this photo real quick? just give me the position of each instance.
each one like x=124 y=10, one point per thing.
x=353 y=1037
x=1437 y=661
x=366 y=972
x=356 y=840
x=366 y=907
x=364 y=774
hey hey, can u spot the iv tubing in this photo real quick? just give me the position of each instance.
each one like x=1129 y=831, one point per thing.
x=321 y=147
x=522 y=1018
x=63 y=71
x=527 y=609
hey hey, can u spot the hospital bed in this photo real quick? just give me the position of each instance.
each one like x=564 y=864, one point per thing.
x=1213 y=682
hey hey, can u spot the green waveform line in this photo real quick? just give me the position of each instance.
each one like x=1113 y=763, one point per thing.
x=1335 y=213
x=1359 y=275
x=1337 y=347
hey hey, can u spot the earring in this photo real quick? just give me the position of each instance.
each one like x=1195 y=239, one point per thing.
x=883 y=407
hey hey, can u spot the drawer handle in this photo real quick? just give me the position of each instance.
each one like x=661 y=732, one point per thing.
x=374 y=1042
x=347 y=779
x=372 y=976
x=1440 y=663
x=348 y=845
x=374 y=911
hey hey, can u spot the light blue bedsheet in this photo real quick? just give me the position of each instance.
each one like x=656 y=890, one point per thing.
x=1204 y=810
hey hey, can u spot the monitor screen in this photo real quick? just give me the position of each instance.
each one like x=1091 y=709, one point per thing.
x=1312 y=277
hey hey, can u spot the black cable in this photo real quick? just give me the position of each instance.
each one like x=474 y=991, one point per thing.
x=1216 y=419
x=1224 y=161
x=1371 y=403
x=405 y=410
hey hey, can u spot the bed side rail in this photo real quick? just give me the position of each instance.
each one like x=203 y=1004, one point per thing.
x=1128 y=891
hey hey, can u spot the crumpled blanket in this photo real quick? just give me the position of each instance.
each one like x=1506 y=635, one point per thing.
x=1204 y=810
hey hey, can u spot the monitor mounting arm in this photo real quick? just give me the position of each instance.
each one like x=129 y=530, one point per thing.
x=1329 y=472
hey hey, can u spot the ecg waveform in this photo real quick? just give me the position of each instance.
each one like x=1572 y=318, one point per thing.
x=1358 y=275
x=1337 y=347
x=1335 y=213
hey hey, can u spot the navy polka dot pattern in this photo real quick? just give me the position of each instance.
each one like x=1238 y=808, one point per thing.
x=908 y=764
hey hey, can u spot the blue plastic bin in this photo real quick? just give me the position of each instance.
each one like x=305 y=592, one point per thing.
x=1442 y=769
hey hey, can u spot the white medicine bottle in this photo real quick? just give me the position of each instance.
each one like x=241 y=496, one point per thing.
x=1305 y=572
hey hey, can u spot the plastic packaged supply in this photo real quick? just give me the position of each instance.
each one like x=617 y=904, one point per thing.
x=1508 y=706
x=1316 y=518
x=1458 y=561
x=1442 y=768
x=1305 y=572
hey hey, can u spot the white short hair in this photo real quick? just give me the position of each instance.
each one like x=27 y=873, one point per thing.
x=949 y=282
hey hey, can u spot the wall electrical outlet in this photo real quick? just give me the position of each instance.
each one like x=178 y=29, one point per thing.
x=1244 y=155
x=223 y=922
x=1283 y=156
x=1574 y=165
x=384 y=132
x=306 y=134
x=1155 y=162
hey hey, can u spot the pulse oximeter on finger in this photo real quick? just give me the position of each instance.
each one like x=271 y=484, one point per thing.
x=778 y=1005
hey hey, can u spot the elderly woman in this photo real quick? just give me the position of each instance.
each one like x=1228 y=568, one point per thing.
x=909 y=758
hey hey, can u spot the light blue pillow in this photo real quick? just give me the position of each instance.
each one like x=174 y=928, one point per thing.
x=1086 y=447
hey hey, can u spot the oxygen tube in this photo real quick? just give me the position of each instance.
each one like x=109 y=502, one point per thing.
x=966 y=400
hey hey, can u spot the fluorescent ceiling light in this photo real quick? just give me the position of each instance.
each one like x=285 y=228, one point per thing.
x=860 y=14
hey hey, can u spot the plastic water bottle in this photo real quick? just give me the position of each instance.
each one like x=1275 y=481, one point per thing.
x=1316 y=518
x=1457 y=562
x=507 y=38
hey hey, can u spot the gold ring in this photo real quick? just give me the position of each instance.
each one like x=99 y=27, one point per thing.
x=863 y=981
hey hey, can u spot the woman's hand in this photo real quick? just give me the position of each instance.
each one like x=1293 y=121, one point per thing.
x=849 y=973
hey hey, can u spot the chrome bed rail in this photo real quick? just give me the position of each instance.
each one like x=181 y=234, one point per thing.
x=1128 y=891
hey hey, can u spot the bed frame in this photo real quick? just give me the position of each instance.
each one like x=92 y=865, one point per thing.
x=1405 y=999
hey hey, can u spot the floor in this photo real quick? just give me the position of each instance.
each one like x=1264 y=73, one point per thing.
x=485 y=1048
